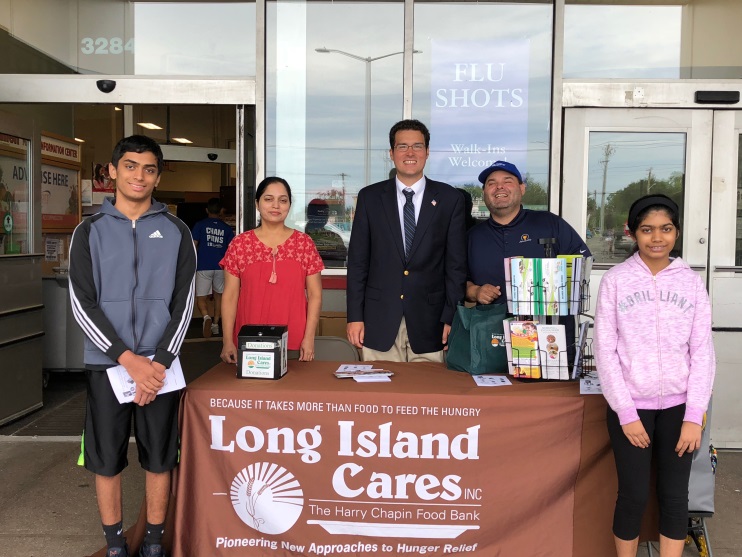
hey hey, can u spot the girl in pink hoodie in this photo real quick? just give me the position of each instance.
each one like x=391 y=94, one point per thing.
x=655 y=358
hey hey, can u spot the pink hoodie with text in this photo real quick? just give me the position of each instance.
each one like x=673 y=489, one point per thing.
x=653 y=344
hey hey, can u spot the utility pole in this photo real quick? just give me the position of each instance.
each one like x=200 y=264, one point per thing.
x=594 y=195
x=608 y=151
x=649 y=180
x=342 y=179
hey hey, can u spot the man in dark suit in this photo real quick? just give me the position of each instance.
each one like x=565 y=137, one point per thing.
x=407 y=257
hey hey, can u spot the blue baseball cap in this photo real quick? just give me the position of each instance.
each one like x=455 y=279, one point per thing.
x=508 y=167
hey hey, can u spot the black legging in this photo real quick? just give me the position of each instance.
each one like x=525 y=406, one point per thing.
x=633 y=466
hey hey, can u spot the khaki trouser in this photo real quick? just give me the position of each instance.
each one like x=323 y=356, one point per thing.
x=401 y=351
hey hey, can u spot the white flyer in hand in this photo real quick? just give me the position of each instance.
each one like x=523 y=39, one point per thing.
x=124 y=387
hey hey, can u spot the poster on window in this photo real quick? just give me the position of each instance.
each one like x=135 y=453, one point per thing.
x=60 y=183
x=479 y=108
x=13 y=203
x=60 y=197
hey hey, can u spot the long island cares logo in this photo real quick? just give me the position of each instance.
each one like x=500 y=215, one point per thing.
x=267 y=497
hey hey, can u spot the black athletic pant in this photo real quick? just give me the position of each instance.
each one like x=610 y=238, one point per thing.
x=633 y=465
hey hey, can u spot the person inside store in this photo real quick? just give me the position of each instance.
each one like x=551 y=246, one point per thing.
x=272 y=276
x=329 y=244
x=131 y=291
x=407 y=257
x=655 y=358
x=471 y=220
x=510 y=231
x=211 y=236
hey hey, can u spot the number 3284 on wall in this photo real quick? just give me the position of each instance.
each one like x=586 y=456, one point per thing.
x=104 y=45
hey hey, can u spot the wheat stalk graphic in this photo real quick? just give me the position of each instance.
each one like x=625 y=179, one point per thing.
x=251 y=501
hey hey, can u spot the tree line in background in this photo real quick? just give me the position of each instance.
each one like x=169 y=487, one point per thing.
x=535 y=196
x=618 y=203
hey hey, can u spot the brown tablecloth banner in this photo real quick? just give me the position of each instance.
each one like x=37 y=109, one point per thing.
x=427 y=464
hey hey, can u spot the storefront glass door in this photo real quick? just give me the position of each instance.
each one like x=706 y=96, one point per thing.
x=613 y=156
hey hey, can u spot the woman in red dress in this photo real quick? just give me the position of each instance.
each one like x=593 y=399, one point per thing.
x=267 y=271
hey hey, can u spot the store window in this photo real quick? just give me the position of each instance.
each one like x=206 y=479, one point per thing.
x=334 y=88
x=738 y=254
x=629 y=41
x=128 y=38
x=622 y=167
x=482 y=82
x=647 y=39
x=15 y=210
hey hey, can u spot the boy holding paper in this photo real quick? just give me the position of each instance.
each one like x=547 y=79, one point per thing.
x=132 y=268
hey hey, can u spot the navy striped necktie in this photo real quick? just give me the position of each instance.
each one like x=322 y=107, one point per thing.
x=409 y=221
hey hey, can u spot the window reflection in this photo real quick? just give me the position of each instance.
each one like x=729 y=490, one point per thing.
x=621 y=168
x=14 y=195
x=690 y=39
x=171 y=38
x=141 y=38
x=482 y=83
x=330 y=238
x=334 y=87
x=622 y=41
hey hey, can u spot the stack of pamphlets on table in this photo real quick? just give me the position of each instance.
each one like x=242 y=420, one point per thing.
x=363 y=372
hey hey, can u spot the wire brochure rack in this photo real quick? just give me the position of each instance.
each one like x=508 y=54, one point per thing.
x=548 y=337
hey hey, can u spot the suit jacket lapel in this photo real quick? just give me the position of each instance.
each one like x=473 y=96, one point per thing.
x=391 y=209
x=427 y=211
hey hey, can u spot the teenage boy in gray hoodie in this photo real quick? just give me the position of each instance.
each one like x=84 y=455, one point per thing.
x=132 y=268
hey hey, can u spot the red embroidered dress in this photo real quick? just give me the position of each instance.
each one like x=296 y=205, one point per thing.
x=283 y=302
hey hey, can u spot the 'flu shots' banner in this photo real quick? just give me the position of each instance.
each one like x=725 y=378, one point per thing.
x=479 y=108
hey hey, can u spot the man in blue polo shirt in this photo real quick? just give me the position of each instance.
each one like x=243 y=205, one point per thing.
x=510 y=231
x=211 y=236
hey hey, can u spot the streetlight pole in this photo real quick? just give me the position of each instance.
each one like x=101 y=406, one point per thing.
x=367 y=60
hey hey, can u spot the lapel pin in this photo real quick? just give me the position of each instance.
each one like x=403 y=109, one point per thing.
x=434 y=203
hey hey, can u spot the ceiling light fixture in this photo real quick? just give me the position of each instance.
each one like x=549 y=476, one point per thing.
x=182 y=140
x=149 y=125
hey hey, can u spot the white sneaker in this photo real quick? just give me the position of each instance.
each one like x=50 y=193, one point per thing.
x=215 y=329
x=207 y=326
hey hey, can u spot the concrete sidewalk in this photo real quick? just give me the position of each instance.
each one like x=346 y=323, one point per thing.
x=49 y=508
x=48 y=502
